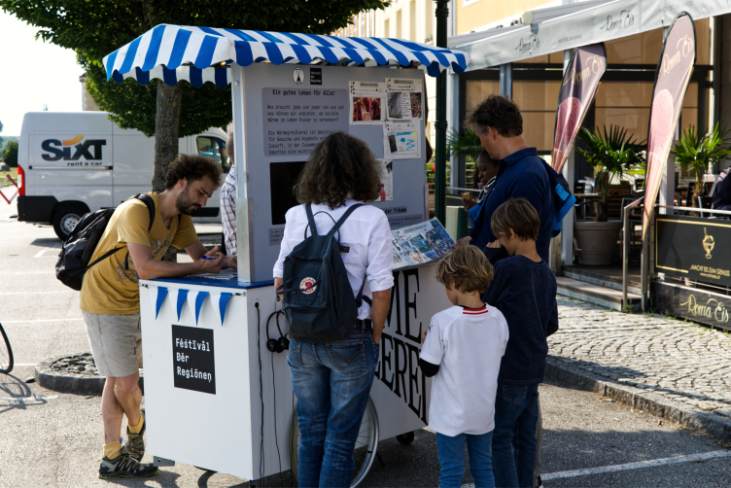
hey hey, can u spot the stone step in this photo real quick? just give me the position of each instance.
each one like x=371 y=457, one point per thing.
x=597 y=294
x=602 y=280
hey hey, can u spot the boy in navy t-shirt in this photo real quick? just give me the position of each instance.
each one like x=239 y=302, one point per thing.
x=524 y=290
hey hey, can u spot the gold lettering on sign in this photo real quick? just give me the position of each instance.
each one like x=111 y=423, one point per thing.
x=593 y=65
x=669 y=62
x=713 y=309
x=686 y=46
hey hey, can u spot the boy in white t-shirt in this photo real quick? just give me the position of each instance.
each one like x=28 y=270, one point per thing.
x=463 y=350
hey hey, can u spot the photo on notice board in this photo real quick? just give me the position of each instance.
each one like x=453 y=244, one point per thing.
x=367 y=102
x=404 y=99
x=366 y=109
x=401 y=139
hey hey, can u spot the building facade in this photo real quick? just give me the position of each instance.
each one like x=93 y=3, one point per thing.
x=412 y=20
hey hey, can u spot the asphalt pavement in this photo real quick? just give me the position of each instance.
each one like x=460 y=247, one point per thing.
x=54 y=439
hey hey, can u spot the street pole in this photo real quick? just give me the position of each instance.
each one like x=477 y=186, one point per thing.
x=440 y=162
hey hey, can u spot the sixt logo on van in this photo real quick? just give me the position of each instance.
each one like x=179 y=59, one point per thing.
x=56 y=149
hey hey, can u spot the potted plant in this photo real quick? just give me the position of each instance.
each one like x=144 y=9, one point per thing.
x=612 y=153
x=697 y=153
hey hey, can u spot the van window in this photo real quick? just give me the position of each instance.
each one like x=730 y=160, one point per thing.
x=214 y=148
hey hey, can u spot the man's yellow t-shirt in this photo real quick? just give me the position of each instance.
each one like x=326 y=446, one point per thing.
x=110 y=286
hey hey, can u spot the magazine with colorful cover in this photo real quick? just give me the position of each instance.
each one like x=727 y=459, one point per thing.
x=420 y=243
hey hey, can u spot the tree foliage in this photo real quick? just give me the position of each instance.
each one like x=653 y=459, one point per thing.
x=95 y=29
x=133 y=105
x=10 y=154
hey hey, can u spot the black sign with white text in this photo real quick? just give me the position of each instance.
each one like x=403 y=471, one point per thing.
x=315 y=76
x=193 y=359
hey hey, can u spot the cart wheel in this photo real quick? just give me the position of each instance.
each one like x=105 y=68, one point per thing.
x=6 y=353
x=365 y=446
x=406 y=438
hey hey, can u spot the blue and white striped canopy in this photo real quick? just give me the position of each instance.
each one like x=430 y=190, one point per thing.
x=200 y=54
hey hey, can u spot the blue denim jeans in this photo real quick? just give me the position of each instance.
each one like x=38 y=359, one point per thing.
x=514 y=437
x=332 y=382
x=451 y=457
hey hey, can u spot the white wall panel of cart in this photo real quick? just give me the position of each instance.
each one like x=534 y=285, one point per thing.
x=202 y=376
x=284 y=121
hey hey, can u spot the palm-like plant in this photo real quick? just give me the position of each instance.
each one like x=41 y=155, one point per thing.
x=467 y=143
x=614 y=152
x=698 y=152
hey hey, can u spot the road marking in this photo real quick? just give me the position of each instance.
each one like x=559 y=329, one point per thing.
x=39 y=320
x=703 y=456
x=43 y=251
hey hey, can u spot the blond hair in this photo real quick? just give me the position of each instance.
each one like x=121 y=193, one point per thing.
x=517 y=214
x=467 y=269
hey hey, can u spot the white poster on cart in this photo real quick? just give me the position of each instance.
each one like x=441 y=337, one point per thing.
x=401 y=139
x=367 y=100
x=404 y=99
x=386 y=191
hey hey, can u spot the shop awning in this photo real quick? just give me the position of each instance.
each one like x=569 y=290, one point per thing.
x=200 y=54
x=545 y=31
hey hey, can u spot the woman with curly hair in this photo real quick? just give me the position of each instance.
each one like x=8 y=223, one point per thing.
x=332 y=380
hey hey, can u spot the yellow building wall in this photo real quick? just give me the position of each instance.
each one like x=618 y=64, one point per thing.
x=485 y=12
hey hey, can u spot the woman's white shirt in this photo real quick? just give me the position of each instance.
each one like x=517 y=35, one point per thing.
x=366 y=232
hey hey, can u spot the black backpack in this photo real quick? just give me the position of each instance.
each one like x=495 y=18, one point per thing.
x=319 y=305
x=76 y=251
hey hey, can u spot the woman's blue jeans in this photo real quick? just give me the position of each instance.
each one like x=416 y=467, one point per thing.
x=332 y=382
x=451 y=457
x=514 y=437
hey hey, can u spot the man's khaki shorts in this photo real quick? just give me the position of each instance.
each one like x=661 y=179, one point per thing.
x=116 y=343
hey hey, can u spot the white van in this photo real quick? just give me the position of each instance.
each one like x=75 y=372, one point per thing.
x=73 y=163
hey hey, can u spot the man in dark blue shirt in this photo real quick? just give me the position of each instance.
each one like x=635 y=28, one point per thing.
x=522 y=174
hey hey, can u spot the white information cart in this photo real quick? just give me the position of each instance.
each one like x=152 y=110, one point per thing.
x=215 y=396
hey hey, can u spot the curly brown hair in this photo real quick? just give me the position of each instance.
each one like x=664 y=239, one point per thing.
x=192 y=168
x=467 y=269
x=500 y=113
x=340 y=167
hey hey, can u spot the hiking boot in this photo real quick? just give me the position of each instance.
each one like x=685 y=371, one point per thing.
x=124 y=466
x=135 y=445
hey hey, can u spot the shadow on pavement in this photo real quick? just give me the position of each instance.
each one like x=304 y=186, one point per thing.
x=47 y=242
x=611 y=374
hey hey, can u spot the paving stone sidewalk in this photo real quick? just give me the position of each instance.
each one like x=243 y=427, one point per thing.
x=682 y=364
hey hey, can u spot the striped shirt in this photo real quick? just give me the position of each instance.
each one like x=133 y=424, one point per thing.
x=228 y=211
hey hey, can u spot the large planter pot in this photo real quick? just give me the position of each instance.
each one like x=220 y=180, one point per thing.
x=596 y=241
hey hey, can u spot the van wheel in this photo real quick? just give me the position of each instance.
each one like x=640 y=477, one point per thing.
x=66 y=219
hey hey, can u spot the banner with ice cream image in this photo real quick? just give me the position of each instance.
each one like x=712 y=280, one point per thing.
x=579 y=86
x=671 y=80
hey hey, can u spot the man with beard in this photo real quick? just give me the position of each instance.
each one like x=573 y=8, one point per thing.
x=110 y=296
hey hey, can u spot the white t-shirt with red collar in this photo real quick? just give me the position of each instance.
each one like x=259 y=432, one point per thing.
x=468 y=345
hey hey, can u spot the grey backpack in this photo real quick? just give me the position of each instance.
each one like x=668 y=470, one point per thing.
x=319 y=305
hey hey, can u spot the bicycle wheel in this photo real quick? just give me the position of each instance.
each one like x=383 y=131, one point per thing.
x=6 y=353
x=365 y=446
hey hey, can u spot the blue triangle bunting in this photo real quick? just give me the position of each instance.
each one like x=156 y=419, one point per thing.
x=162 y=292
x=222 y=304
x=182 y=295
x=199 y=299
